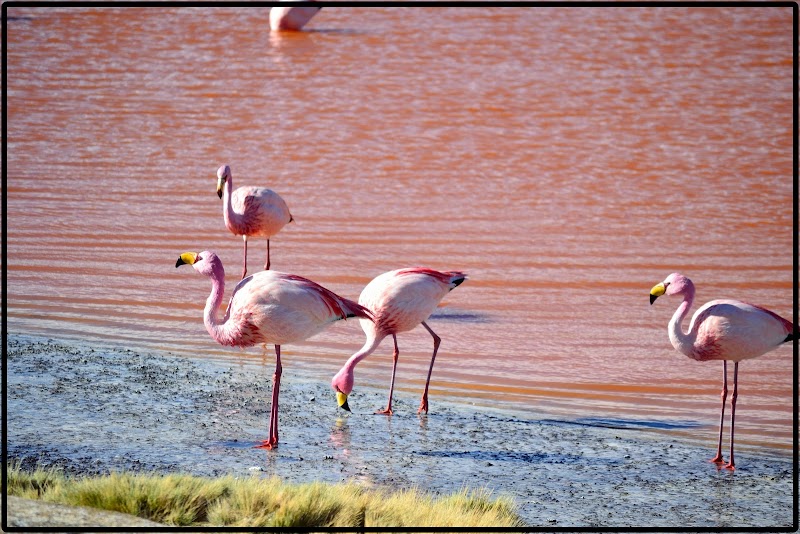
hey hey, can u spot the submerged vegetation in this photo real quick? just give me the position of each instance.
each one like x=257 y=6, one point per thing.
x=186 y=500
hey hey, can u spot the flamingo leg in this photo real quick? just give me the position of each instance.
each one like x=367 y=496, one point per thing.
x=735 y=395
x=718 y=458
x=272 y=441
x=395 y=355
x=423 y=405
x=244 y=263
x=266 y=265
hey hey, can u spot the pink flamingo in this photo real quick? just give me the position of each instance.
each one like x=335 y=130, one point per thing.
x=268 y=307
x=290 y=18
x=399 y=301
x=722 y=330
x=251 y=211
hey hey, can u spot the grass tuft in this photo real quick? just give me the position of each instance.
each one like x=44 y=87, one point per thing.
x=186 y=500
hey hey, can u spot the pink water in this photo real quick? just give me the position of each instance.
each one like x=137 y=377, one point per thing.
x=567 y=159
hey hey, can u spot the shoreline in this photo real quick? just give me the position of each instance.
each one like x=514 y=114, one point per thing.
x=92 y=409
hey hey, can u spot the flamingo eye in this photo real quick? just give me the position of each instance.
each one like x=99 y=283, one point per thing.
x=198 y=258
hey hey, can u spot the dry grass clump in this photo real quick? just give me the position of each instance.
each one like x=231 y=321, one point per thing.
x=186 y=500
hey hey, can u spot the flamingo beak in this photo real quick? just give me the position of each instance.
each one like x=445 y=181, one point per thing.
x=187 y=258
x=657 y=291
x=341 y=398
x=220 y=185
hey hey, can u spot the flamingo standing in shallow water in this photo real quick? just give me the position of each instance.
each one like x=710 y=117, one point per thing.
x=399 y=301
x=722 y=330
x=251 y=211
x=290 y=18
x=268 y=307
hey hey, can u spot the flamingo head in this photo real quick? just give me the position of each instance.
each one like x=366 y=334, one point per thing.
x=674 y=284
x=223 y=175
x=205 y=262
x=342 y=384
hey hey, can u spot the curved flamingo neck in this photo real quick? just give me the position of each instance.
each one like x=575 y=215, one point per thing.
x=369 y=347
x=232 y=219
x=345 y=377
x=683 y=342
x=214 y=327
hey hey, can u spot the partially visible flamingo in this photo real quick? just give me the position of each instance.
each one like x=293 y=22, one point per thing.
x=251 y=211
x=399 y=301
x=268 y=307
x=722 y=330
x=290 y=18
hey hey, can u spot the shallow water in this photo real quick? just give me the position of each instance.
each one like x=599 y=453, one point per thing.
x=136 y=411
x=566 y=158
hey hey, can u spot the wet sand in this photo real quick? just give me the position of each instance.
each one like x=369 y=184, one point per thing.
x=95 y=409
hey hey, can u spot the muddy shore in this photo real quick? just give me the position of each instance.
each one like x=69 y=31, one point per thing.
x=95 y=409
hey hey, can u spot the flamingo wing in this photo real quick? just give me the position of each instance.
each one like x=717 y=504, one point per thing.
x=734 y=330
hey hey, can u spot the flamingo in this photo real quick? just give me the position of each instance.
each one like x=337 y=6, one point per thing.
x=722 y=330
x=268 y=307
x=251 y=211
x=290 y=18
x=399 y=300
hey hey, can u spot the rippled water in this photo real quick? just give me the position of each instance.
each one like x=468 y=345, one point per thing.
x=566 y=158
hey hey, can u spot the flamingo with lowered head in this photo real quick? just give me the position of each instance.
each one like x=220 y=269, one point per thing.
x=399 y=300
x=251 y=211
x=722 y=330
x=268 y=307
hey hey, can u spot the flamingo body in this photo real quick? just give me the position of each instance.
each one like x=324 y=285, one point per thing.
x=724 y=329
x=268 y=307
x=290 y=18
x=251 y=211
x=732 y=330
x=399 y=301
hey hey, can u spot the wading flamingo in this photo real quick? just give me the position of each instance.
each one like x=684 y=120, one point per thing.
x=290 y=18
x=399 y=300
x=251 y=211
x=722 y=330
x=268 y=307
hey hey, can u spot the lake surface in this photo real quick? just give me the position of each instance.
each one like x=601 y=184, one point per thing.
x=567 y=159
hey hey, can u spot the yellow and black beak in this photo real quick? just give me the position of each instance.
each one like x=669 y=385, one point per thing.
x=657 y=291
x=187 y=258
x=220 y=185
x=341 y=398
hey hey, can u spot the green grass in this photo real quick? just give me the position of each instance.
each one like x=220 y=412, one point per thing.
x=186 y=500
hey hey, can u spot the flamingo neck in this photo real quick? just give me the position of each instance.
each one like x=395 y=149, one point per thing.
x=214 y=327
x=345 y=378
x=683 y=342
x=232 y=219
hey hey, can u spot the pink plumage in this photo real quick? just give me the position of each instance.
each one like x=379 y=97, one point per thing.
x=251 y=211
x=269 y=307
x=724 y=330
x=290 y=18
x=399 y=300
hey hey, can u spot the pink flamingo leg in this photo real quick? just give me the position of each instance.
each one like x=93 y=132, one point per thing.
x=718 y=458
x=735 y=395
x=244 y=264
x=266 y=265
x=395 y=355
x=423 y=405
x=272 y=441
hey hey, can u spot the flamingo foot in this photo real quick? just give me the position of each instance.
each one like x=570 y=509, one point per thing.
x=385 y=411
x=423 y=406
x=730 y=466
x=717 y=459
x=268 y=444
